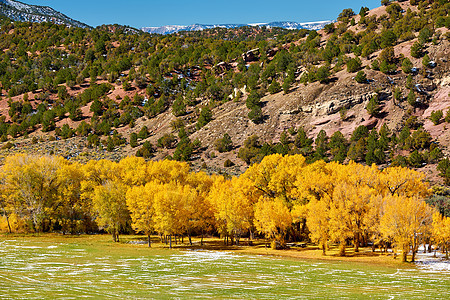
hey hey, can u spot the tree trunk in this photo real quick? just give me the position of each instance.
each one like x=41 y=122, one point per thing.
x=190 y=240
x=201 y=241
x=414 y=251
x=342 y=248
x=170 y=241
x=303 y=229
x=357 y=242
x=182 y=239
x=149 y=241
x=324 y=248
x=114 y=235
x=9 y=225
x=414 y=247
x=404 y=256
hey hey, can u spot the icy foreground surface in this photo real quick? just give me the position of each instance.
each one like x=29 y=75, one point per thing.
x=30 y=269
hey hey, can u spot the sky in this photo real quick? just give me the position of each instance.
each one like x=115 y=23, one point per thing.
x=147 y=13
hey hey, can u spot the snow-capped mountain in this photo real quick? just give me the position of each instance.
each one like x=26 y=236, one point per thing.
x=195 y=27
x=18 y=11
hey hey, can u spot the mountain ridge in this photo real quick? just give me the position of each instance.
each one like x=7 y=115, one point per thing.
x=19 y=11
x=169 y=29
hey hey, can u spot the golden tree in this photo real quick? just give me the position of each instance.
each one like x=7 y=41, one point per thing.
x=318 y=221
x=170 y=208
x=110 y=202
x=232 y=202
x=71 y=208
x=140 y=203
x=133 y=171
x=272 y=217
x=402 y=182
x=348 y=212
x=201 y=216
x=33 y=184
x=405 y=220
x=441 y=232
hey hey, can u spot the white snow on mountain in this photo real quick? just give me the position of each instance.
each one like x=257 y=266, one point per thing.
x=18 y=11
x=168 y=29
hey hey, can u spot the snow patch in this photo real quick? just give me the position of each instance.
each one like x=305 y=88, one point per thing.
x=168 y=29
x=434 y=261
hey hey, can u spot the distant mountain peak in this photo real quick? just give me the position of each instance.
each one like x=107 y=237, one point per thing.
x=19 y=11
x=168 y=29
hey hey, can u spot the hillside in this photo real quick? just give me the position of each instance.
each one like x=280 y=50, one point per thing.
x=18 y=11
x=110 y=92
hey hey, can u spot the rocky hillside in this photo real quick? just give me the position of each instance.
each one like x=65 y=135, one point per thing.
x=18 y=11
x=372 y=87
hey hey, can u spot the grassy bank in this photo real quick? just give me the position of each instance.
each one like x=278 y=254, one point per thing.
x=136 y=245
x=51 y=266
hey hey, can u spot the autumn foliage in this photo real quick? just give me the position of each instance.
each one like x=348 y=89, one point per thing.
x=282 y=198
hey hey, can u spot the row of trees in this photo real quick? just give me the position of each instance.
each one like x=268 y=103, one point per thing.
x=364 y=145
x=282 y=198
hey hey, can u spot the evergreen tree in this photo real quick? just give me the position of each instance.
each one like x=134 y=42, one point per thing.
x=133 y=140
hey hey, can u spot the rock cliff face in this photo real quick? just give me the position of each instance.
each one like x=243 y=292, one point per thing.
x=18 y=11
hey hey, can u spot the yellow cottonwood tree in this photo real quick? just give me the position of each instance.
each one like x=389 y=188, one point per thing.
x=140 y=203
x=275 y=176
x=33 y=183
x=272 y=217
x=405 y=219
x=98 y=173
x=318 y=221
x=316 y=181
x=232 y=202
x=402 y=182
x=71 y=208
x=170 y=208
x=166 y=171
x=441 y=232
x=348 y=213
x=110 y=202
x=134 y=171
x=201 y=216
x=7 y=208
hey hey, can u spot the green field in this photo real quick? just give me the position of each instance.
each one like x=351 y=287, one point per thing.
x=93 y=267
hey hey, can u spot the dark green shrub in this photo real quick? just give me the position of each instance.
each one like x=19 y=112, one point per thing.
x=224 y=144
x=228 y=163
x=361 y=77
x=436 y=116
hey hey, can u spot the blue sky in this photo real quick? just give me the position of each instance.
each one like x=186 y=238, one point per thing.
x=141 y=13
